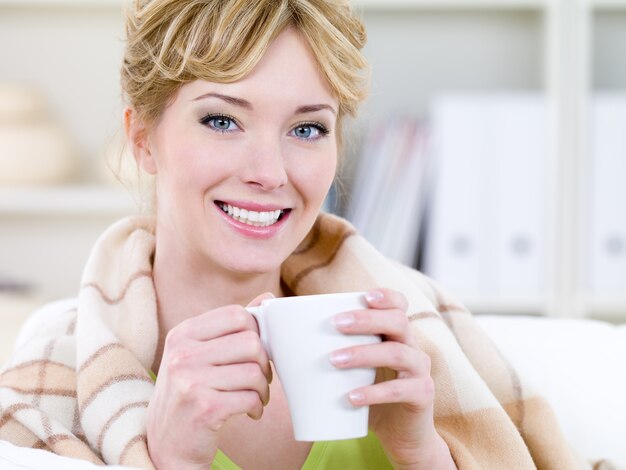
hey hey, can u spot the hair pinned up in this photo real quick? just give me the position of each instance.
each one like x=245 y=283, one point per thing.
x=172 y=42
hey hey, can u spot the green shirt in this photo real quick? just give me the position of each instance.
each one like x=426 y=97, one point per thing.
x=350 y=454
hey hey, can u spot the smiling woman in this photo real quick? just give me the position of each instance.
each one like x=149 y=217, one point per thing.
x=255 y=145
x=235 y=107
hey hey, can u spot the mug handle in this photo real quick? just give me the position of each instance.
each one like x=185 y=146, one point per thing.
x=259 y=315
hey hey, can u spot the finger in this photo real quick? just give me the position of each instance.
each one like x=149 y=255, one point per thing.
x=226 y=404
x=417 y=392
x=257 y=301
x=260 y=298
x=393 y=355
x=382 y=298
x=239 y=377
x=213 y=324
x=236 y=348
x=393 y=324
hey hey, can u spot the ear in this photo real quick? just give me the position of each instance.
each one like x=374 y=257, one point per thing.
x=137 y=136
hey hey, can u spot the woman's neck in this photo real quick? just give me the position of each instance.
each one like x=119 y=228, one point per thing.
x=185 y=290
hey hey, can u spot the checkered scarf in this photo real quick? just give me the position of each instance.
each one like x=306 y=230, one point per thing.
x=80 y=386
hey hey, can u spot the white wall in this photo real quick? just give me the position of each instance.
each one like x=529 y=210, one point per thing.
x=73 y=56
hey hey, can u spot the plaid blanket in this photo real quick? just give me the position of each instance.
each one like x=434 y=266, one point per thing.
x=80 y=385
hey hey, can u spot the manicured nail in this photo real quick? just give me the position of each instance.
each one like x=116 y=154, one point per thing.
x=340 y=357
x=343 y=320
x=356 y=397
x=374 y=296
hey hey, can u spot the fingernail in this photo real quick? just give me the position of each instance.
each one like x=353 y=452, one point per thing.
x=340 y=357
x=374 y=296
x=356 y=397
x=343 y=320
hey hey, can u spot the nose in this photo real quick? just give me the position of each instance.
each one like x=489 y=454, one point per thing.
x=265 y=166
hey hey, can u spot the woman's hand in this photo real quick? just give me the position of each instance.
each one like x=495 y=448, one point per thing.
x=214 y=367
x=402 y=399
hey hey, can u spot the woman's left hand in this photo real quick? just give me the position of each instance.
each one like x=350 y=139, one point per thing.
x=402 y=399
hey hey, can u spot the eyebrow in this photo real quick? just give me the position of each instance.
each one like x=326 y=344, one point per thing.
x=315 y=107
x=240 y=102
x=229 y=99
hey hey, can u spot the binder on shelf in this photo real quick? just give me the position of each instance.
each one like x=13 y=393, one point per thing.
x=457 y=227
x=487 y=225
x=520 y=158
x=607 y=188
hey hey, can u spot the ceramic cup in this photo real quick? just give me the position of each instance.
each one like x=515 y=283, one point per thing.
x=298 y=335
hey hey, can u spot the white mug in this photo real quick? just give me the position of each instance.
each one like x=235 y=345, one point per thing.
x=298 y=335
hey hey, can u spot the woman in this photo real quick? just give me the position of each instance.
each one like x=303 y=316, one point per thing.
x=236 y=108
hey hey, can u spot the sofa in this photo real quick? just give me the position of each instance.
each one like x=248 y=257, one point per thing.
x=577 y=364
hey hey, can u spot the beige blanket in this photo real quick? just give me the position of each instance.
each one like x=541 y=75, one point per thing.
x=80 y=386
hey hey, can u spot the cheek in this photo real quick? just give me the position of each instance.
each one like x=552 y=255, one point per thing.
x=191 y=162
x=315 y=180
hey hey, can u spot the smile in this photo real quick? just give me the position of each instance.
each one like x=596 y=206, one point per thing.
x=257 y=219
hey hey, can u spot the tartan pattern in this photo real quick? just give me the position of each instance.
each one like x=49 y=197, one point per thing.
x=80 y=387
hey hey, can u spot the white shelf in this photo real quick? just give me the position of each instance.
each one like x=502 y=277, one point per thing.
x=608 y=4
x=66 y=200
x=608 y=308
x=450 y=4
x=366 y=4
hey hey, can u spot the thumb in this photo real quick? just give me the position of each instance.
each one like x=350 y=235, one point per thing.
x=260 y=298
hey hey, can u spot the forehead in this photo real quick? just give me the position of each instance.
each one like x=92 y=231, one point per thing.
x=287 y=73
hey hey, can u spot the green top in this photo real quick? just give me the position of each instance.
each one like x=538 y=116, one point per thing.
x=350 y=454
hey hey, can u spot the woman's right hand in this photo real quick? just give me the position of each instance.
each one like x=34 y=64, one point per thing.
x=214 y=367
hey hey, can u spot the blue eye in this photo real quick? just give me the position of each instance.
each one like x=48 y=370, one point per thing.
x=309 y=131
x=220 y=122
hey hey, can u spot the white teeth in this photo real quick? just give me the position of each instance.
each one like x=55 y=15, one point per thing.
x=258 y=219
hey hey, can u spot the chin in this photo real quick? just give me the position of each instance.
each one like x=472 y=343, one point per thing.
x=253 y=266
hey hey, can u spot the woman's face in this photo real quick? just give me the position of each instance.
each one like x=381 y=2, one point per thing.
x=243 y=168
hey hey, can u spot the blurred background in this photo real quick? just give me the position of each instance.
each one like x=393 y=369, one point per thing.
x=491 y=153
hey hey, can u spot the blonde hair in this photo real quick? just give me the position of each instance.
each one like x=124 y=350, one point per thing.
x=172 y=42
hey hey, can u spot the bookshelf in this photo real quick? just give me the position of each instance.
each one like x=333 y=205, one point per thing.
x=564 y=48
x=74 y=200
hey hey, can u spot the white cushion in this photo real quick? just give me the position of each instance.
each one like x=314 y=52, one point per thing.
x=579 y=366
x=20 y=458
